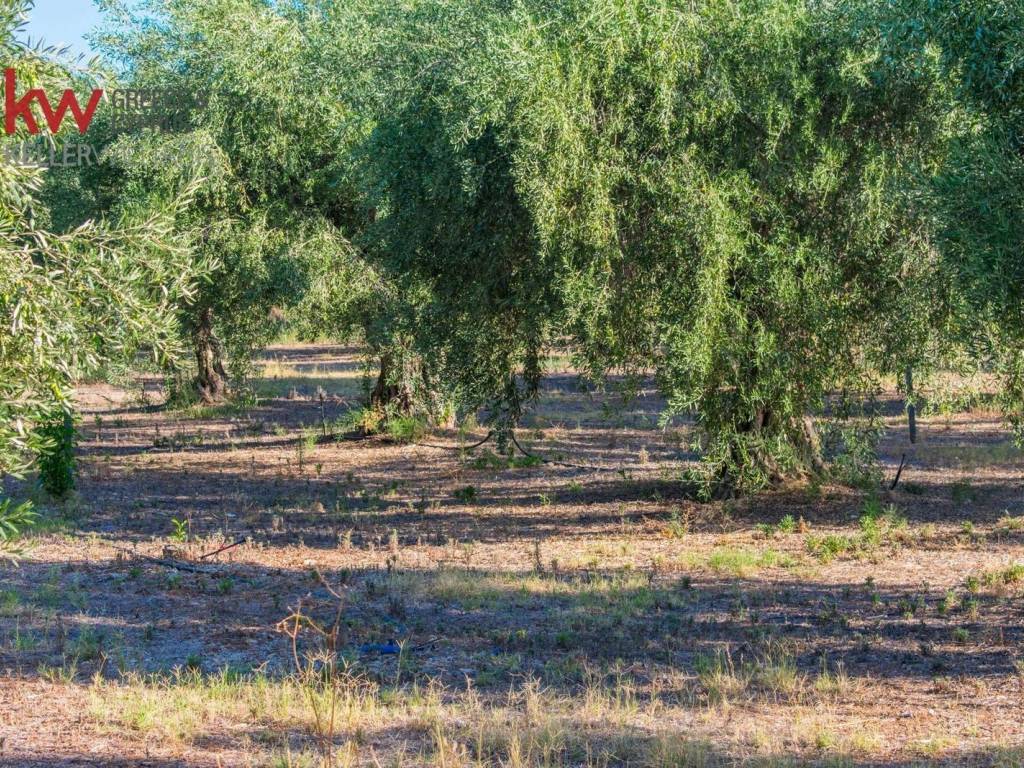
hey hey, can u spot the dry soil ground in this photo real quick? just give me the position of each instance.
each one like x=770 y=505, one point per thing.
x=543 y=614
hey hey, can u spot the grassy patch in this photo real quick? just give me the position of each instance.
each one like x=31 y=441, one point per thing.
x=10 y=603
x=490 y=460
x=1011 y=574
x=772 y=673
x=878 y=526
x=739 y=562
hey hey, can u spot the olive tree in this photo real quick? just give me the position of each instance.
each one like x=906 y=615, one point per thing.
x=707 y=190
x=285 y=211
x=977 y=196
x=69 y=302
x=248 y=130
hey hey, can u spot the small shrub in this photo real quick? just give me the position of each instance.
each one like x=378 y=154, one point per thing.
x=826 y=548
x=10 y=602
x=720 y=677
x=179 y=532
x=949 y=603
x=829 y=683
x=367 y=421
x=677 y=527
x=1009 y=575
x=406 y=429
x=962 y=492
x=56 y=461
x=87 y=646
x=466 y=495
x=488 y=460
x=741 y=562
x=1008 y=523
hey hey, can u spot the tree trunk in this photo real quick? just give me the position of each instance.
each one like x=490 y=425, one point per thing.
x=748 y=451
x=808 y=442
x=908 y=380
x=211 y=378
x=404 y=388
x=393 y=391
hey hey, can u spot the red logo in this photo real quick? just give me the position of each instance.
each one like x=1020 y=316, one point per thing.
x=15 y=108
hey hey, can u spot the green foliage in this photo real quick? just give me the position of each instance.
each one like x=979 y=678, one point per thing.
x=73 y=302
x=272 y=206
x=407 y=429
x=13 y=520
x=761 y=201
x=180 y=529
x=677 y=527
x=364 y=420
x=707 y=188
x=490 y=460
x=56 y=461
x=467 y=494
x=975 y=198
x=878 y=526
x=282 y=205
x=853 y=446
x=877 y=523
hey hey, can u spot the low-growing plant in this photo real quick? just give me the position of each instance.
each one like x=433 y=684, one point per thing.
x=321 y=672
x=407 y=429
x=1009 y=575
x=827 y=547
x=466 y=494
x=949 y=603
x=719 y=676
x=364 y=420
x=1008 y=523
x=787 y=524
x=179 y=530
x=56 y=460
x=10 y=602
x=832 y=683
x=677 y=526
x=87 y=645
x=962 y=491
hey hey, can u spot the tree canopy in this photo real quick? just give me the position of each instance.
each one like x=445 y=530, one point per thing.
x=710 y=190
x=71 y=302
x=762 y=202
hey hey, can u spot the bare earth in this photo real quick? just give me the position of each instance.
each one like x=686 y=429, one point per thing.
x=546 y=615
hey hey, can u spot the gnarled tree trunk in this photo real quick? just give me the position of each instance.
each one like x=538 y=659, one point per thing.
x=405 y=388
x=393 y=391
x=211 y=378
x=746 y=449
